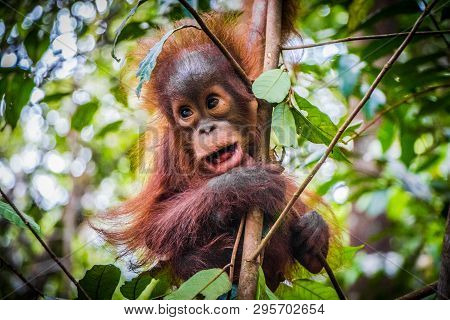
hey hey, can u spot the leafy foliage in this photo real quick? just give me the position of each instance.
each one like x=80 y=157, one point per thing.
x=304 y=289
x=132 y=289
x=9 y=214
x=100 y=282
x=272 y=86
x=200 y=286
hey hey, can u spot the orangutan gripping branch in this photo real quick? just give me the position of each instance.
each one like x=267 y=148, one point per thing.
x=205 y=177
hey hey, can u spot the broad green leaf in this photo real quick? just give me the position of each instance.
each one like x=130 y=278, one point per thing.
x=161 y=283
x=196 y=284
x=315 y=116
x=303 y=289
x=283 y=125
x=314 y=134
x=9 y=214
x=147 y=65
x=262 y=291
x=348 y=253
x=83 y=115
x=110 y=127
x=100 y=282
x=272 y=86
x=132 y=289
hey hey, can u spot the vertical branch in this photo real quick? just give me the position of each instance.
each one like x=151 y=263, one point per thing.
x=248 y=277
x=443 y=287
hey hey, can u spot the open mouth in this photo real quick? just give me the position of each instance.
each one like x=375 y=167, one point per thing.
x=224 y=158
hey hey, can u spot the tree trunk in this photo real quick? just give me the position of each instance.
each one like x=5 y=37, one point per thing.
x=248 y=277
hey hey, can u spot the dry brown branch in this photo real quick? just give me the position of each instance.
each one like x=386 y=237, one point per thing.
x=341 y=130
x=421 y=293
x=369 y=37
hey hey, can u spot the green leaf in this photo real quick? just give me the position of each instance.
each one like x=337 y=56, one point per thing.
x=147 y=65
x=122 y=25
x=100 y=282
x=348 y=254
x=36 y=45
x=194 y=286
x=303 y=289
x=262 y=291
x=272 y=86
x=7 y=212
x=283 y=125
x=110 y=127
x=83 y=115
x=161 y=283
x=319 y=119
x=313 y=133
x=132 y=289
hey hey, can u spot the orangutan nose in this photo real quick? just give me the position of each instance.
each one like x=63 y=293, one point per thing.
x=206 y=128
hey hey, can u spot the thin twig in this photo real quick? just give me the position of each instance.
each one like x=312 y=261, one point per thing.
x=436 y=24
x=341 y=130
x=236 y=247
x=380 y=114
x=21 y=277
x=44 y=244
x=421 y=293
x=332 y=277
x=215 y=277
x=218 y=43
x=369 y=37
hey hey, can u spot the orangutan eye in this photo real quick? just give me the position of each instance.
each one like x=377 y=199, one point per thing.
x=185 y=112
x=212 y=102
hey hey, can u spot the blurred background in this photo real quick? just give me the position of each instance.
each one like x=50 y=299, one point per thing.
x=69 y=132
